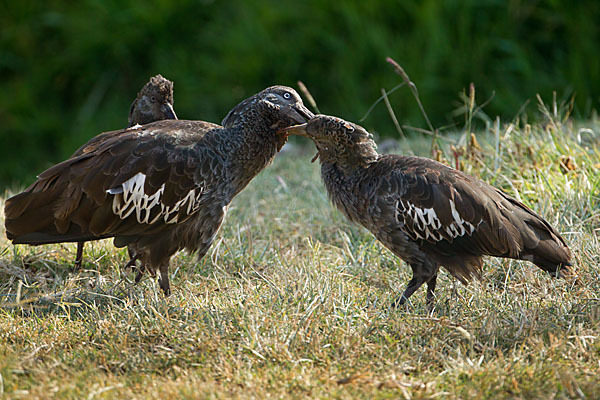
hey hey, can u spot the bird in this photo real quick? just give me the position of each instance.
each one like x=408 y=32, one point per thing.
x=153 y=103
x=159 y=187
x=426 y=213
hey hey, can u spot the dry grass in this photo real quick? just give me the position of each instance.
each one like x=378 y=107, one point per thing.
x=292 y=300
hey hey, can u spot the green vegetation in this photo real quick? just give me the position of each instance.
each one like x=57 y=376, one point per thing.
x=70 y=70
x=291 y=300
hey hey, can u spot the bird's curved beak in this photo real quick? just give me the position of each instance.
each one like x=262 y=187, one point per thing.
x=298 y=113
x=168 y=111
x=294 y=130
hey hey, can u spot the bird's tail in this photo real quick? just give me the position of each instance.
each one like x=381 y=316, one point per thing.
x=27 y=212
x=38 y=217
x=546 y=248
x=541 y=243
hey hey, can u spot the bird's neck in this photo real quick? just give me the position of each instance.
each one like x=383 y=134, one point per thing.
x=349 y=163
x=259 y=140
x=341 y=186
x=250 y=151
x=342 y=174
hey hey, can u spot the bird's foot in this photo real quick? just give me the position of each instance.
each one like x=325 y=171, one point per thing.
x=163 y=280
x=398 y=302
x=140 y=273
x=164 y=285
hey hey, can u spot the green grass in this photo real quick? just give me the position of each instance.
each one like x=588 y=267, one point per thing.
x=291 y=300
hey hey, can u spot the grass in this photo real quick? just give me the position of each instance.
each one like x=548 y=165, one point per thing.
x=291 y=300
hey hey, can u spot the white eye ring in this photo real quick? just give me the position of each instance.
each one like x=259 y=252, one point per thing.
x=287 y=96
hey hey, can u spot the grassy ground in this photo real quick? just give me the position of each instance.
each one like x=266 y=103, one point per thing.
x=291 y=300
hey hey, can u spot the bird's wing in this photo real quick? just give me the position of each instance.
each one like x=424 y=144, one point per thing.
x=438 y=205
x=131 y=182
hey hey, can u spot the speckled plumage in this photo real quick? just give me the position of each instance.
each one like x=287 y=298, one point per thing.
x=80 y=198
x=426 y=213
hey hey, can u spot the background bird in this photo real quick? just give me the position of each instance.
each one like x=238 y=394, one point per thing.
x=158 y=188
x=153 y=103
x=426 y=213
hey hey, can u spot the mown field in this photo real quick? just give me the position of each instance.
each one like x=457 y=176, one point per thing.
x=292 y=300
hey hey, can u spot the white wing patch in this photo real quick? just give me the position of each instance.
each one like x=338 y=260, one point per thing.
x=130 y=197
x=459 y=226
x=425 y=219
x=428 y=226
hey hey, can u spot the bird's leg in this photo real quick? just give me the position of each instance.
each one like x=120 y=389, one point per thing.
x=164 y=279
x=412 y=286
x=134 y=255
x=132 y=260
x=79 y=255
x=140 y=273
x=430 y=289
x=132 y=251
x=140 y=269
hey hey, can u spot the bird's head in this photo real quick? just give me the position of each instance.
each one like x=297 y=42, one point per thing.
x=337 y=140
x=270 y=110
x=153 y=103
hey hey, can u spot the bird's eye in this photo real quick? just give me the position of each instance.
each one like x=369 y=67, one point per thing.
x=153 y=99
x=287 y=96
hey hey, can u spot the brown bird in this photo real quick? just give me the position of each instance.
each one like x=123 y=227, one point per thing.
x=160 y=187
x=426 y=213
x=153 y=103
